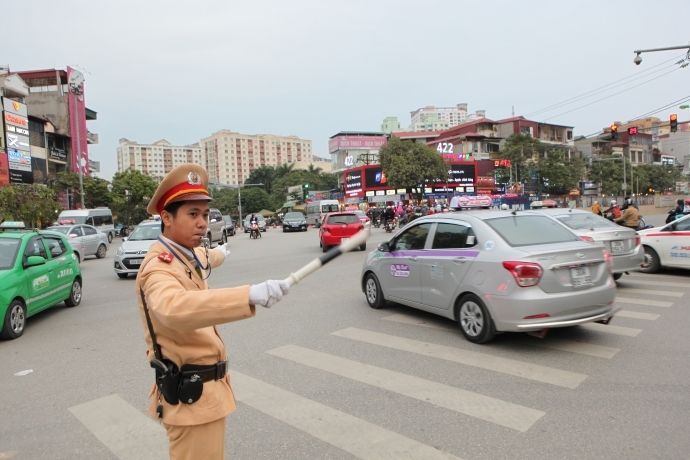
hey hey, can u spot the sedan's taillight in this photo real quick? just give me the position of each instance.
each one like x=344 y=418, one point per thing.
x=608 y=258
x=587 y=238
x=638 y=240
x=525 y=273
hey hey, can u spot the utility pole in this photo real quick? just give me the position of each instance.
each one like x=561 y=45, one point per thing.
x=638 y=58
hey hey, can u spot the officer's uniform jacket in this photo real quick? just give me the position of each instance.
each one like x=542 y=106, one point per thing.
x=184 y=313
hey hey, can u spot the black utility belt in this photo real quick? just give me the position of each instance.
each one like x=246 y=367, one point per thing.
x=185 y=384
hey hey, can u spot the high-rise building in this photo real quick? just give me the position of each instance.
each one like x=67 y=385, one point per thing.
x=431 y=118
x=156 y=159
x=390 y=125
x=231 y=157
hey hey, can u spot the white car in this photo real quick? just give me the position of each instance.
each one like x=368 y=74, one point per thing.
x=131 y=253
x=666 y=246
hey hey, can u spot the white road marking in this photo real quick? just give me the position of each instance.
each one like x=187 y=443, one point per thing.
x=676 y=294
x=487 y=361
x=645 y=302
x=126 y=432
x=473 y=404
x=351 y=434
x=611 y=329
x=8 y=454
x=563 y=345
x=637 y=315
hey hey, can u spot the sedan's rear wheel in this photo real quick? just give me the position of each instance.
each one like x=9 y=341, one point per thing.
x=100 y=253
x=110 y=237
x=74 y=298
x=474 y=320
x=15 y=320
x=373 y=292
x=651 y=263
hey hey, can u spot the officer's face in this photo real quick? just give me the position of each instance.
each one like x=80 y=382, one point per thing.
x=188 y=225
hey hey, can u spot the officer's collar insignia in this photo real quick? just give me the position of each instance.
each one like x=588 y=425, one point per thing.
x=193 y=178
x=165 y=257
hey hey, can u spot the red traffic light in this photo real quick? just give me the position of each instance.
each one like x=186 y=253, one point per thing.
x=632 y=131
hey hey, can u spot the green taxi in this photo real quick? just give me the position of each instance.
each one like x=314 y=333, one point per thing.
x=38 y=270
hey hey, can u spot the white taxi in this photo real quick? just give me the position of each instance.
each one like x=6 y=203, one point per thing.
x=666 y=246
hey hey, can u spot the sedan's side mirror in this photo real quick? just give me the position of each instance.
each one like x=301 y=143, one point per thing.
x=384 y=247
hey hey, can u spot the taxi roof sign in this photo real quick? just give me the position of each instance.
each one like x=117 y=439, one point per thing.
x=13 y=225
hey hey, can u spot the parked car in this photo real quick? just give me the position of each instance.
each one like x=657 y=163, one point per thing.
x=133 y=249
x=216 y=227
x=623 y=243
x=86 y=240
x=337 y=227
x=667 y=245
x=229 y=225
x=261 y=220
x=38 y=270
x=294 y=221
x=492 y=271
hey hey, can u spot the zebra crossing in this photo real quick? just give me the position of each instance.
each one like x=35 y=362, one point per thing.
x=130 y=435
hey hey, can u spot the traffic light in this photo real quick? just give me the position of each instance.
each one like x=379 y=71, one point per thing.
x=632 y=131
x=614 y=132
x=674 y=122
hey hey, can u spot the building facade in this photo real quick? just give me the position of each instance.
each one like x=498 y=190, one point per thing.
x=231 y=157
x=431 y=118
x=390 y=125
x=355 y=148
x=156 y=159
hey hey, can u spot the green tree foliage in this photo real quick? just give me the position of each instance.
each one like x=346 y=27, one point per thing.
x=522 y=151
x=130 y=195
x=558 y=174
x=254 y=199
x=34 y=204
x=95 y=189
x=409 y=164
x=263 y=175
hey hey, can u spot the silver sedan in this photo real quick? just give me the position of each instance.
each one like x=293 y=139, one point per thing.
x=622 y=242
x=493 y=271
x=85 y=239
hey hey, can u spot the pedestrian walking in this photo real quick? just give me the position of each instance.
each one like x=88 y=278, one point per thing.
x=192 y=394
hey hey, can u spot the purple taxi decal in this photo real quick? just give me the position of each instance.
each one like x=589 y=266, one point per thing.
x=400 y=270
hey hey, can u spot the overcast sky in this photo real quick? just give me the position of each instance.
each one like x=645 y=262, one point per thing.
x=183 y=70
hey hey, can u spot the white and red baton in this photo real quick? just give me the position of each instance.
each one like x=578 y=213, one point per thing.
x=357 y=239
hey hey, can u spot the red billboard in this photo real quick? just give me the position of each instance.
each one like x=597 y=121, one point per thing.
x=76 y=107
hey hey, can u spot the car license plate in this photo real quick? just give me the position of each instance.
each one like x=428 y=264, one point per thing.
x=135 y=261
x=580 y=276
x=617 y=246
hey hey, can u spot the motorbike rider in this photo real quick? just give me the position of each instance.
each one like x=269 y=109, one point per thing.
x=596 y=208
x=613 y=212
x=676 y=212
x=629 y=218
x=388 y=215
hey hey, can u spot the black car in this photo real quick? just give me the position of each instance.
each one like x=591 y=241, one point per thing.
x=294 y=221
x=229 y=225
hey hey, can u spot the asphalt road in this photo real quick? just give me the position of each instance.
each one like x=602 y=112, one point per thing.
x=321 y=375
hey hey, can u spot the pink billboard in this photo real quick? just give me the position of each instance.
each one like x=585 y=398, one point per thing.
x=76 y=106
x=356 y=142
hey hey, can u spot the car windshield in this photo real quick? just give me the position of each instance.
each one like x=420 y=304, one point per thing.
x=8 y=252
x=62 y=229
x=330 y=208
x=72 y=219
x=145 y=232
x=294 y=215
x=526 y=230
x=586 y=221
x=343 y=219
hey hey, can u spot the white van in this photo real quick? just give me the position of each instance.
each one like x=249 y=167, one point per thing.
x=101 y=218
x=319 y=208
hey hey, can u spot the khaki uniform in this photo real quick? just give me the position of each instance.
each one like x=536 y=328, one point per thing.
x=184 y=314
x=629 y=218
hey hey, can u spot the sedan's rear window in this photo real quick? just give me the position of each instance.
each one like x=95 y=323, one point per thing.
x=343 y=219
x=585 y=221
x=526 y=230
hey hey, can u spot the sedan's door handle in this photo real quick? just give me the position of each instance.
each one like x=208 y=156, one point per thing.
x=460 y=260
x=412 y=258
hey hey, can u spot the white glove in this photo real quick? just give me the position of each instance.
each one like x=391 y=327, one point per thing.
x=223 y=250
x=268 y=292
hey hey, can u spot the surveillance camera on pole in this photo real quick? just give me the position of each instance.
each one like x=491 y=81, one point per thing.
x=638 y=59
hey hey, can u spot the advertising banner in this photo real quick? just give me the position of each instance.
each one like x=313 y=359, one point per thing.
x=76 y=107
x=375 y=177
x=353 y=181
x=461 y=174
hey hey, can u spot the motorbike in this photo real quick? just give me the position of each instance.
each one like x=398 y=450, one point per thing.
x=377 y=222
x=254 y=231
x=389 y=225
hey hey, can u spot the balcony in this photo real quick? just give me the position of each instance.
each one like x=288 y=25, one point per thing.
x=91 y=138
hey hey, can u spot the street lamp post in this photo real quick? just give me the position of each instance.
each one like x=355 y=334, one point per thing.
x=638 y=58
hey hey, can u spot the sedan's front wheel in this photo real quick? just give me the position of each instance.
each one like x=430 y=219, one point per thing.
x=102 y=250
x=373 y=292
x=474 y=320
x=15 y=320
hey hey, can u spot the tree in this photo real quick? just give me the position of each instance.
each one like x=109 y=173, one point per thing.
x=130 y=195
x=96 y=192
x=557 y=174
x=35 y=204
x=254 y=199
x=522 y=151
x=409 y=164
x=263 y=175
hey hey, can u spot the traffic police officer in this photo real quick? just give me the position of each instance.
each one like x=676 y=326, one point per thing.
x=192 y=395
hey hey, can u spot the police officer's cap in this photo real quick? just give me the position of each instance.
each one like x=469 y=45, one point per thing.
x=187 y=182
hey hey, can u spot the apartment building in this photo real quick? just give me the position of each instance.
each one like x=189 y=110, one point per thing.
x=156 y=159
x=231 y=156
x=431 y=118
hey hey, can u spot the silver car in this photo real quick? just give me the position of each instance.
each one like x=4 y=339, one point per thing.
x=85 y=239
x=493 y=271
x=131 y=253
x=622 y=242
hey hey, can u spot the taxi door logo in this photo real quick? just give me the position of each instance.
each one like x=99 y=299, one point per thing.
x=40 y=283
